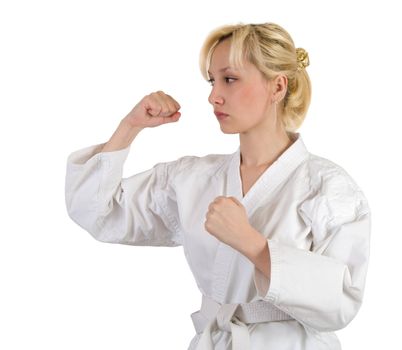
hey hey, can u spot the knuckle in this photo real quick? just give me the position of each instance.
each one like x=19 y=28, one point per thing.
x=152 y=97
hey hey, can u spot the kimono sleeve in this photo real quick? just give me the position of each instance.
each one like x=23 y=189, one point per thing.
x=138 y=210
x=323 y=287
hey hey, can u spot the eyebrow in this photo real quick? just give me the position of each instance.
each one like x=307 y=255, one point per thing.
x=222 y=69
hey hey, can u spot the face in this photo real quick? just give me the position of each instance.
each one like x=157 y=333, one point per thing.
x=244 y=95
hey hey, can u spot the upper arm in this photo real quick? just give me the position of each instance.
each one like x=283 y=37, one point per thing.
x=139 y=210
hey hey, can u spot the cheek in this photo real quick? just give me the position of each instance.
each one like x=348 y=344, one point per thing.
x=248 y=94
x=253 y=98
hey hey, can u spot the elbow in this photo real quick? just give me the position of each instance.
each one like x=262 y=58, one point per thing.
x=86 y=219
x=346 y=304
x=85 y=215
x=106 y=221
x=339 y=318
x=338 y=313
x=336 y=322
x=93 y=224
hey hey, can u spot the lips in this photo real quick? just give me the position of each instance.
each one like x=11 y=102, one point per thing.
x=220 y=115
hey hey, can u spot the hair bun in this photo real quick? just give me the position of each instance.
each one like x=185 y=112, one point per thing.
x=303 y=60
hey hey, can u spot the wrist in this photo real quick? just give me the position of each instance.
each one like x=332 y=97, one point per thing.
x=122 y=137
x=255 y=245
x=128 y=125
x=258 y=253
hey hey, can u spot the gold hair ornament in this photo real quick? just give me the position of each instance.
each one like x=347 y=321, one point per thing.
x=302 y=59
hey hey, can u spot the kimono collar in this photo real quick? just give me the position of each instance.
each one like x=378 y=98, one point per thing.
x=277 y=172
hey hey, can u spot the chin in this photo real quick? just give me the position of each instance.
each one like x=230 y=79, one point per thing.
x=228 y=131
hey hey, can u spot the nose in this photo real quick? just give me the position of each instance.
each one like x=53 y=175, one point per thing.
x=215 y=98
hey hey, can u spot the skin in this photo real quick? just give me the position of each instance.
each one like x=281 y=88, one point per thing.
x=249 y=100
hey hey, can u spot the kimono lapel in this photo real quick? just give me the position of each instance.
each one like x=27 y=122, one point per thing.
x=264 y=187
x=275 y=174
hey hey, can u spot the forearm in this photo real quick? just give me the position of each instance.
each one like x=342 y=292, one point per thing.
x=257 y=251
x=122 y=137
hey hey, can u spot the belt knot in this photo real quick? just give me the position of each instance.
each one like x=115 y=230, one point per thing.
x=225 y=316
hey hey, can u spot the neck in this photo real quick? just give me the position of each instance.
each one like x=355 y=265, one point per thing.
x=261 y=147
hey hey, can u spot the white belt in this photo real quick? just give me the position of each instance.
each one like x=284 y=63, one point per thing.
x=232 y=318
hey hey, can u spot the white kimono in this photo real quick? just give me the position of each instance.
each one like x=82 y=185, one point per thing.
x=314 y=216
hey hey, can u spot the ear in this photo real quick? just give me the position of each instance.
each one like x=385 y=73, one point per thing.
x=279 y=87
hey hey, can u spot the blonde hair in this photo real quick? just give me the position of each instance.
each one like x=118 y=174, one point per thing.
x=271 y=49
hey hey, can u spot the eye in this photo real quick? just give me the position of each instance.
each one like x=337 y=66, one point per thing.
x=228 y=78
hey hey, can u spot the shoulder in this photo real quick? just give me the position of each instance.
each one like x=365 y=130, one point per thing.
x=326 y=175
x=334 y=194
x=185 y=169
x=191 y=164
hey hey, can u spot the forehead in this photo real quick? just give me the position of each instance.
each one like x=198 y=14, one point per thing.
x=220 y=55
x=220 y=61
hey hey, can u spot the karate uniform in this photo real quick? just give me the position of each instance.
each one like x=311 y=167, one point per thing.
x=314 y=216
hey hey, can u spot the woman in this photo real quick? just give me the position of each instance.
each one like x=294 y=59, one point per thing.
x=277 y=238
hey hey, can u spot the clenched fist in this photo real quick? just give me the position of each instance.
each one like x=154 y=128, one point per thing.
x=227 y=220
x=153 y=110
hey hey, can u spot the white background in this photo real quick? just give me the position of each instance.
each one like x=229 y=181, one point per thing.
x=71 y=70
